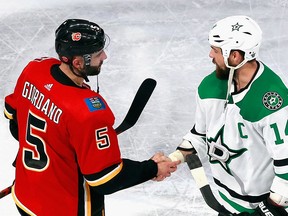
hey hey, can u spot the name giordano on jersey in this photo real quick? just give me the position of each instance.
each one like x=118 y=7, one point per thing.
x=41 y=103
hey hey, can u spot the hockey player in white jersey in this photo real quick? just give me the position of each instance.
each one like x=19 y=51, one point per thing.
x=241 y=123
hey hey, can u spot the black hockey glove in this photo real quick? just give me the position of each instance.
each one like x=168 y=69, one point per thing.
x=265 y=208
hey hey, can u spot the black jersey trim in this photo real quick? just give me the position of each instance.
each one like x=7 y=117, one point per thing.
x=247 y=198
x=193 y=131
x=280 y=163
x=61 y=77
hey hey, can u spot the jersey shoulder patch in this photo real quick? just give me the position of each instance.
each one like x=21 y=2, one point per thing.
x=267 y=95
x=95 y=103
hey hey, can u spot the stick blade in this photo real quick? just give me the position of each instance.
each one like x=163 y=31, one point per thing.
x=138 y=104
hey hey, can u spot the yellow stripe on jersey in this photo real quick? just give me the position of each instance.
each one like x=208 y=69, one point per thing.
x=106 y=177
x=7 y=114
x=88 y=199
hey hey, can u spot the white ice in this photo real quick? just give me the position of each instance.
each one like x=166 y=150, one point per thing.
x=162 y=39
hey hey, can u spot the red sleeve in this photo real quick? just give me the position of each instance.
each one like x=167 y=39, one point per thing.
x=93 y=136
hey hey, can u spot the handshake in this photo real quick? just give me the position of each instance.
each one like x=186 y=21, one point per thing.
x=165 y=166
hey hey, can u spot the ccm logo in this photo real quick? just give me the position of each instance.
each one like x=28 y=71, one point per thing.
x=76 y=36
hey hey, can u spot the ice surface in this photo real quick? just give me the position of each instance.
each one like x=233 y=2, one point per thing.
x=163 y=39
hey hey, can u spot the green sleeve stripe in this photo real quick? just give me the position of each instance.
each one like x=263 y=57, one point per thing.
x=235 y=205
x=283 y=176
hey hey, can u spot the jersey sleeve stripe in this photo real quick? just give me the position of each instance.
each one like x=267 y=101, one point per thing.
x=8 y=115
x=19 y=204
x=106 y=177
x=279 y=163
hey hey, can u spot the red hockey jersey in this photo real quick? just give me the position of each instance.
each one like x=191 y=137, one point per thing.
x=65 y=134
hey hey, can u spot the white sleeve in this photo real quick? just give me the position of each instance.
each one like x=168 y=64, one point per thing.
x=276 y=140
x=197 y=135
x=279 y=192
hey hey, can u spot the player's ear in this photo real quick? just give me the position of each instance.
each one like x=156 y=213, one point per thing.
x=78 y=62
x=236 y=57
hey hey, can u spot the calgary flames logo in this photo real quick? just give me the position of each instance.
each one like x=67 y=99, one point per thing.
x=76 y=36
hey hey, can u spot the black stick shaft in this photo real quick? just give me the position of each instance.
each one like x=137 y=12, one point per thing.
x=138 y=104
x=200 y=178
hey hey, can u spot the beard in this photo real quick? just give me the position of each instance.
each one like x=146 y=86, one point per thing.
x=222 y=74
x=93 y=70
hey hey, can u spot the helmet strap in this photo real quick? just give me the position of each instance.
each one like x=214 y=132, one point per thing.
x=80 y=74
x=229 y=84
x=230 y=78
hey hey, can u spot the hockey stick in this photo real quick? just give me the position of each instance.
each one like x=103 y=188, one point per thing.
x=138 y=104
x=202 y=183
x=5 y=191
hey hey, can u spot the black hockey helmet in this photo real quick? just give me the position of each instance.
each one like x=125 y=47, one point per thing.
x=78 y=37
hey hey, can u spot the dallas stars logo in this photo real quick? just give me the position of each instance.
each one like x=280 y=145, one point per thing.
x=221 y=153
x=272 y=100
x=236 y=27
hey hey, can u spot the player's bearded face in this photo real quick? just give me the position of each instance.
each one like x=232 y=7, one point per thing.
x=96 y=62
x=222 y=72
x=93 y=70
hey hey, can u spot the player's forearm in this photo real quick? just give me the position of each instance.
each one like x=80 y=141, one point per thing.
x=132 y=173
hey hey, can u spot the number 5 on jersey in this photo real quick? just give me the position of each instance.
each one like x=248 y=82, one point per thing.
x=102 y=138
x=34 y=155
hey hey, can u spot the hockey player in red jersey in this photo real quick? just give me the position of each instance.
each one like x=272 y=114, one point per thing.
x=69 y=156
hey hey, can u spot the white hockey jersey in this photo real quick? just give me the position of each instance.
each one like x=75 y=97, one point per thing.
x=246 y=142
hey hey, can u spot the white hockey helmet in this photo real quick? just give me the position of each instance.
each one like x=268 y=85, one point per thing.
x=236 y=33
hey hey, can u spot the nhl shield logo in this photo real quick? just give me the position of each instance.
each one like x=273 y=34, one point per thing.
x=272 y=100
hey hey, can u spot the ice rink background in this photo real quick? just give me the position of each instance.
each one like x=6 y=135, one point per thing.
x=165 y=40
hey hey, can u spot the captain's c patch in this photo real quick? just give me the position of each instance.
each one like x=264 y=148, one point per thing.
x=95 y=103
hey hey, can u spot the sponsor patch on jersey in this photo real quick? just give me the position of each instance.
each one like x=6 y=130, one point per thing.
x=272 y=100
x=95 y=103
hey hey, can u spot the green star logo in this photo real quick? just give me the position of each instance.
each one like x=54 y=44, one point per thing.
x=220 y=153
x=272 y=100
x=236 y=27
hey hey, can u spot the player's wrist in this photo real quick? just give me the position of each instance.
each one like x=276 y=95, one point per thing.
x=278 y=200
x=183 y=149
x=177 y=155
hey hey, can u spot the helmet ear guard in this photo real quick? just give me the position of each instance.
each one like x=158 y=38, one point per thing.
x=236 y=33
